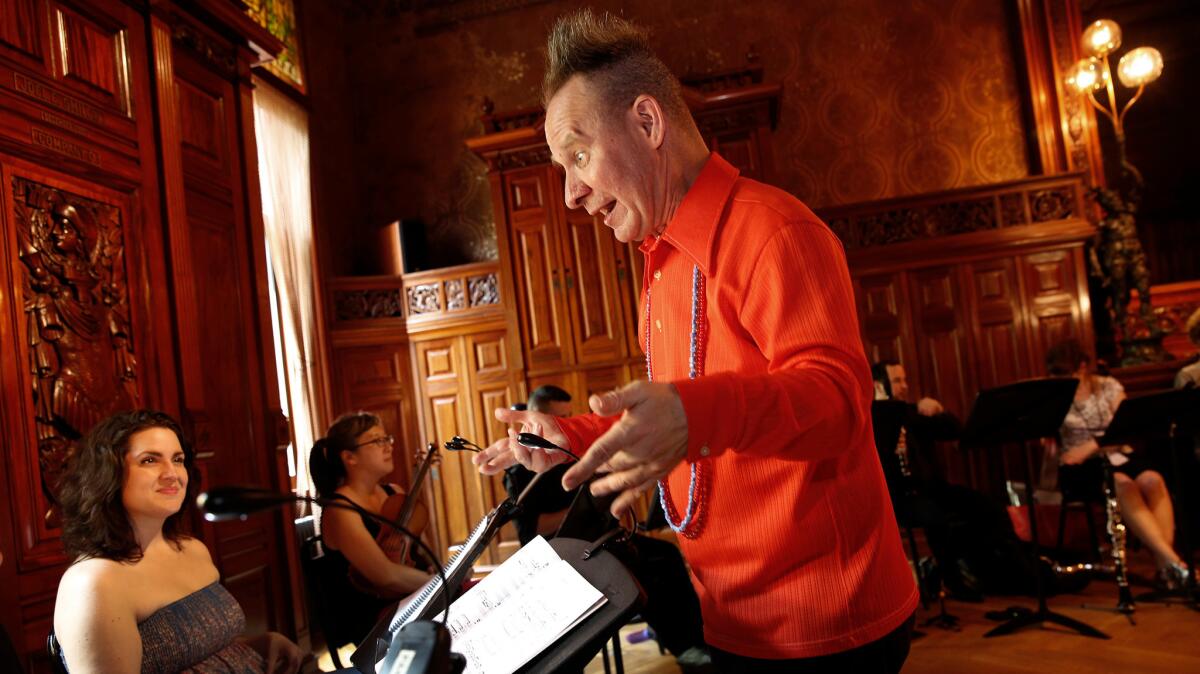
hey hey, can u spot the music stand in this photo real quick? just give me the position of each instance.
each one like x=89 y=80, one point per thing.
x=1019 y=413
x=625 y=598
x=1169 y=415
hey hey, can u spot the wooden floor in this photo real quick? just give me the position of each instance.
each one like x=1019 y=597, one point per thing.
x=1166 y=638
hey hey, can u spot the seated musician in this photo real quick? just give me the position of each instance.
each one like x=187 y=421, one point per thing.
x=1141 y=492
x=672 y=609
x=964 y=528
x=350 y=463
x=140 y=595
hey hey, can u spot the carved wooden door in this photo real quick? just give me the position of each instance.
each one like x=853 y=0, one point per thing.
x=1056 y=298
x=538 y=268
x=229 y=392
x=590 y=283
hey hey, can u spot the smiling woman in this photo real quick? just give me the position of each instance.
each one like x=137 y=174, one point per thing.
x=140 y=595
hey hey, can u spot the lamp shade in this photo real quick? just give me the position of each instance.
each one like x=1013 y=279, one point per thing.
x=1087 y=76
x=1101 y=37
x=1140 y=66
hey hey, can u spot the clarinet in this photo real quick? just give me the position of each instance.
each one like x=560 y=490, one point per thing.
x=1116 y=533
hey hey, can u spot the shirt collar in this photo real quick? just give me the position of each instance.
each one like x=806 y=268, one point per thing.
x=694 y=227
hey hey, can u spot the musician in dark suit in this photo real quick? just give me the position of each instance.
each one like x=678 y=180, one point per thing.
x=672 y=609
x=961 y=525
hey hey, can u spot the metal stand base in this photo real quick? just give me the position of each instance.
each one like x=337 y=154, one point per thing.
x=1044 y=615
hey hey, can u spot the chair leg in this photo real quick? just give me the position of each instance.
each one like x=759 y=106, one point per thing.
x=604 y=658
x=333 y=655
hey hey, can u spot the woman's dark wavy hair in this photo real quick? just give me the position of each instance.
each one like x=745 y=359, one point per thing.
x=325 y=461
x=95 y=523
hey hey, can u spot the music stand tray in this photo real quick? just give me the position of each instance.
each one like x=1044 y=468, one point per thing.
x=1018 y=413
x=625 y=598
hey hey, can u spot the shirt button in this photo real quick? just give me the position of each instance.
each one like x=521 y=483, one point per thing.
x=704 y=450
x=658 y=324
x=657 y=274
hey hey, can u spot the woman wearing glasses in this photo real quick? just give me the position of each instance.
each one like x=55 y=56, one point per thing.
x=350 y=464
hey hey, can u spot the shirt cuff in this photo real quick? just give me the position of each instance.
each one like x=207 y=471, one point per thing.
x=711 y=404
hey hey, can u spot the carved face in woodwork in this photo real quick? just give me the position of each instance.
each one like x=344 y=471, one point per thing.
x=155 y=477
x=373 y=455
x=614 y=168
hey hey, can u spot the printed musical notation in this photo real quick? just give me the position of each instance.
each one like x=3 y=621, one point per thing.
x=519 y=609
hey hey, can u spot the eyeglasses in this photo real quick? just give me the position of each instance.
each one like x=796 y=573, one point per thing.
x=386 y=440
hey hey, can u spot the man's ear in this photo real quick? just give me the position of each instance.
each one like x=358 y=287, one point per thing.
x=649 y=119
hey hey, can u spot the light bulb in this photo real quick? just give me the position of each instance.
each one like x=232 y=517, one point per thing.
x=1087 y=76
x=1140 y=66
x=1101 y=37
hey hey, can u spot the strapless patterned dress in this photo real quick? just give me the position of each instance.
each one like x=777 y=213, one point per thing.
x=198 y=634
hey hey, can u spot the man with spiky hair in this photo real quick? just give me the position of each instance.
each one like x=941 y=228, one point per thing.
x=756 y=419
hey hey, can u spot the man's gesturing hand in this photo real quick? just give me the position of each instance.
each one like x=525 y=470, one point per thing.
x=506 y=451
x=643 y=446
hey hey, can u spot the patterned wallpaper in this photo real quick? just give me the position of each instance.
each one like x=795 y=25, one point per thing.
x=880 y=99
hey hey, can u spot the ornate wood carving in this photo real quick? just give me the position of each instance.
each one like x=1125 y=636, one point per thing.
x=353 y=305
x=1023 y=202
x=484 y=290
x=221 y=56
x=423 y=299
x=80 y=339
x=455 y=297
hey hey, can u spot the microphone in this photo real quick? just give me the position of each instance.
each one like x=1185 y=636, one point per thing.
x=538 y=442
x=221 y=504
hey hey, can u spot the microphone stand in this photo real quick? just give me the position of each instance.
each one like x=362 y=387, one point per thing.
x=215 y=504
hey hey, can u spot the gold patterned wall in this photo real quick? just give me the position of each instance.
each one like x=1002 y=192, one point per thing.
x=880 y=98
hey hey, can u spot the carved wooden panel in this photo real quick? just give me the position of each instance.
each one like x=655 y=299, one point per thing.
x=940 y=336
x=526 y=193
x=998 y=322
x=589 y=276
x=602 y=379
x=70 y=264
x=93 y=55
x=490 y=355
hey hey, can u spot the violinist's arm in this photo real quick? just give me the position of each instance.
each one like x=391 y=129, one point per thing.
x=344 y=531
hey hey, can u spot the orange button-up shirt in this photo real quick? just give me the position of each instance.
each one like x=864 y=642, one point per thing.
x=799 y=554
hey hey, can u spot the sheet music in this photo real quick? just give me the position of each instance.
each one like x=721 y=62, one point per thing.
x=519 y=609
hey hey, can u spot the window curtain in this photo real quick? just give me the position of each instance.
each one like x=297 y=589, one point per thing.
x=281 y=126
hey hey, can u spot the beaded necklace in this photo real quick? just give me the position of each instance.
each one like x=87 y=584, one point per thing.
x=692 y=522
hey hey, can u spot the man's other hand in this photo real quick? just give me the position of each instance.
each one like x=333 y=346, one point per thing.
x=506 y=452
x=929 y=407
x=641 y=448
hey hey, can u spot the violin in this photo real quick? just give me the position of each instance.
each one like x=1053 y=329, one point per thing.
x=409 y=511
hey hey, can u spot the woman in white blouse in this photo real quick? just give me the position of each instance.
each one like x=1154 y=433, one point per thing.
x=1141 y=492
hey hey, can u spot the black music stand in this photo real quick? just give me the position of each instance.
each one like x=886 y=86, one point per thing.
x=625 y=598
x=1020 y=413
x=1170 y=416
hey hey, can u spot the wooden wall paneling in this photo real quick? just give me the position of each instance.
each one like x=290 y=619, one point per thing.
x=941 y=338
x=441 y=368
x=630 y=267
x=377 y=379
x=25 y=34
x=492 y=387
x=235 y=433
x=70 y=324
x=886 y=322
x=1056 y=308
x=590 y=284
x=1064 y=135
x=91 y=51
x=998 y=322
x=539 y=276
x=565 y=380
